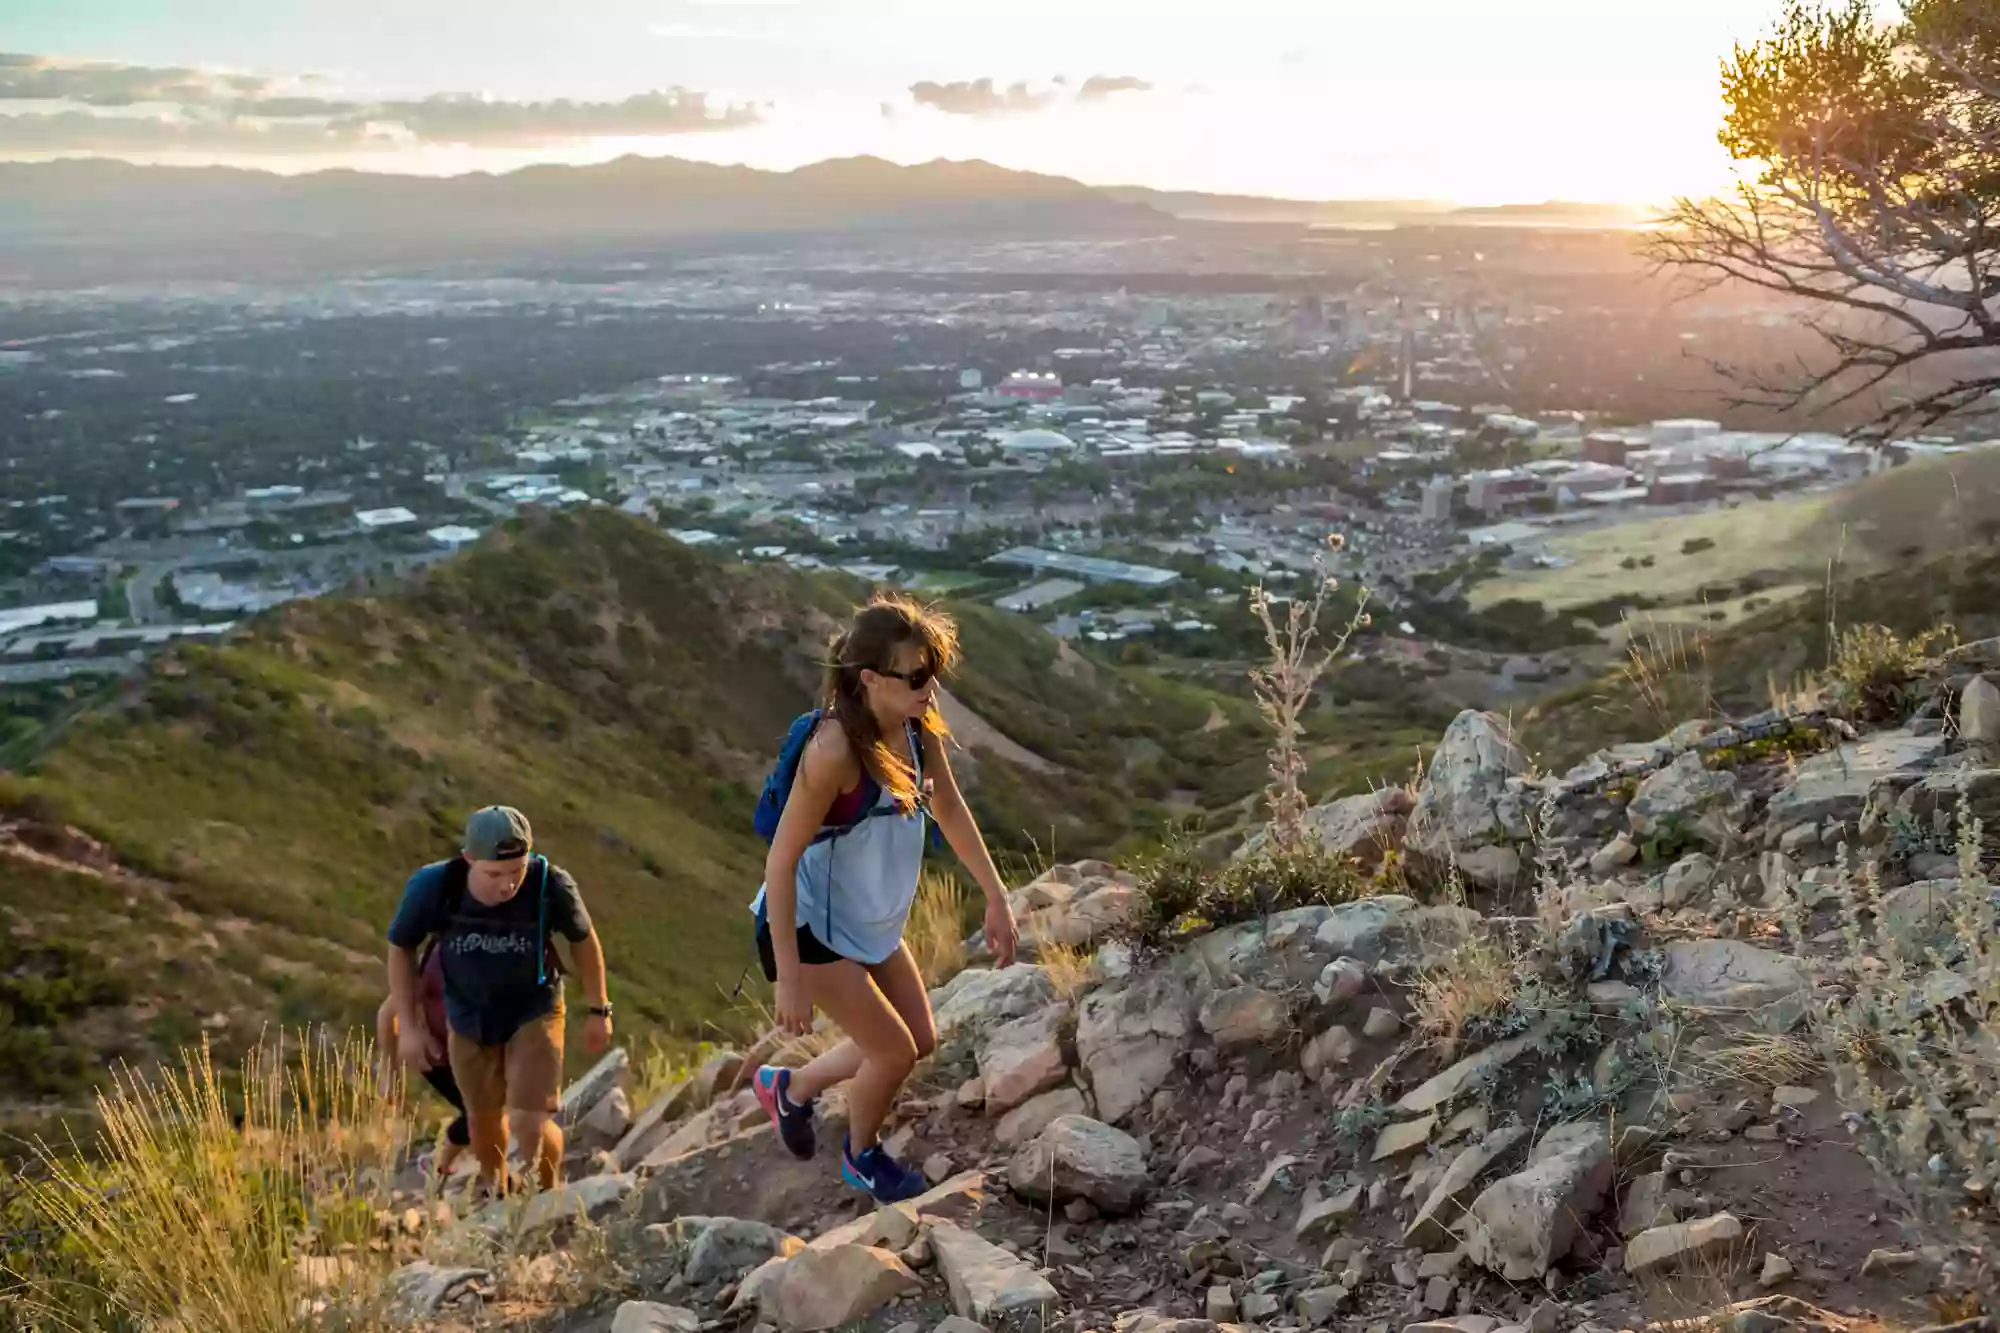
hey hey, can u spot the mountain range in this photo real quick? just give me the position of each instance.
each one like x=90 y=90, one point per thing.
x=65 y=206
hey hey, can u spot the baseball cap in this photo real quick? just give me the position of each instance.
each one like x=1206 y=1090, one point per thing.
x=498 y=833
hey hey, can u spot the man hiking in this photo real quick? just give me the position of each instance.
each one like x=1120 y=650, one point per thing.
x=494 y=911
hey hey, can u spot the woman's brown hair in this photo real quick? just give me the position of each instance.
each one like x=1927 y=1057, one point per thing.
x=869 y=643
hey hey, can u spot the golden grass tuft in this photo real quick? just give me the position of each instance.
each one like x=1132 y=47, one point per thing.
x=187 y=1220
x=1770 y=1059
x=1067 y=967
x=1470 y=979
x=939 y=921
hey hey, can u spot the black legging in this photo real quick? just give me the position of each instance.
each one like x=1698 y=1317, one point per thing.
x=457 y=1133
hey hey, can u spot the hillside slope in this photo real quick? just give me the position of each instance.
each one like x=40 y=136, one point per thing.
x=261 y=802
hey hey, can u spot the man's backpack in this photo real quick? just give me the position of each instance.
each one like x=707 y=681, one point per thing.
x=778 y=785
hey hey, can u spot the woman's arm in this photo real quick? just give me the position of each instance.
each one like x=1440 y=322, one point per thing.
x=961 y=830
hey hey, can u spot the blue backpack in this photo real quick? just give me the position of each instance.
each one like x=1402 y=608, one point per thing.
x=778 y=786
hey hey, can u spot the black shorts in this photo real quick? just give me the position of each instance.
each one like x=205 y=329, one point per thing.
x=811 y=951
x=440 y=1078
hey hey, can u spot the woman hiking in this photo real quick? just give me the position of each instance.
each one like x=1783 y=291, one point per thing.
x=855 y=787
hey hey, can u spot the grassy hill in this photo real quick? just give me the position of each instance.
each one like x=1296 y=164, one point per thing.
x=1676 y=671
x=261 y=802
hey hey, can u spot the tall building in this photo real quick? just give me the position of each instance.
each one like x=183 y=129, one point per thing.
x=1438 y=493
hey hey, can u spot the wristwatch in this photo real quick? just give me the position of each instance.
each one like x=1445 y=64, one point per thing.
x=601 y=1010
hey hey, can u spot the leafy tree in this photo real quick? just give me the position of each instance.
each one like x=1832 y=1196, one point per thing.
x=1870 y=197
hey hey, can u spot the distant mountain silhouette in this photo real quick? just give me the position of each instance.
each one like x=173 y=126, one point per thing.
x=78 y=221
x=629 y=199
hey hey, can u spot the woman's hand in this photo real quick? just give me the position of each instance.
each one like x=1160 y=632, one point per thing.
x=418 y=1047
x=1003 y=937
x=794 y=1011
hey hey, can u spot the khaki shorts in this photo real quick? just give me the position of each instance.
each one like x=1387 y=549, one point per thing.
x=523 y=1074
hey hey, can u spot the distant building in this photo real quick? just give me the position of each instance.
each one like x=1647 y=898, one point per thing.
x=1043 y=442
x=1085 y=566
x=1031 y=386
x=16 y=619
x=453 y=535
x=1604 y=447
x=1438 y=494
x=1680 y=488
x=1045 y=593
x=258 y=495
x=1682 y=430
x=393 y=517
x=970 y=379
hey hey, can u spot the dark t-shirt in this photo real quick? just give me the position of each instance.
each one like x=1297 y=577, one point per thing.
x=489 y=953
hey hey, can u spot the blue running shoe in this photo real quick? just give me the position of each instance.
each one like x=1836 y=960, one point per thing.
x=793 y=1123
x=876 y=1173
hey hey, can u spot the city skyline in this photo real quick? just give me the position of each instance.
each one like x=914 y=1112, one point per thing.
x=1444 y=100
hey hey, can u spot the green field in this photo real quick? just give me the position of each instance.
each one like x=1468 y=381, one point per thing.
x=1786 y=541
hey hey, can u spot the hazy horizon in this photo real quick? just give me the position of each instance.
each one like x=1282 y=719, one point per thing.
x=1444 y=101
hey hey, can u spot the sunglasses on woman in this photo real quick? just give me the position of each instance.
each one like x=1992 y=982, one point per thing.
x=916 y=680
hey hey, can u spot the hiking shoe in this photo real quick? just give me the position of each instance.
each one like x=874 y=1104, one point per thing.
x=793 y=1123
x=876 y=1173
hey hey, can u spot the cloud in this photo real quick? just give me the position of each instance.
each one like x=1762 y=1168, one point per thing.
x=979 y=97
x=105 y=83
x=983 y=97
x=206 y=111
x=1100 y=86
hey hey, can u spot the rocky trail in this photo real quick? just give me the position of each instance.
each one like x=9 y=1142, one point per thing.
x=1266 y=1125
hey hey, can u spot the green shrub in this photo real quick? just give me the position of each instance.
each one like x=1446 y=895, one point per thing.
x=1186 y=893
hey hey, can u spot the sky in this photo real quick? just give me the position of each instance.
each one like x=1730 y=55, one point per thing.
x=1472 y=101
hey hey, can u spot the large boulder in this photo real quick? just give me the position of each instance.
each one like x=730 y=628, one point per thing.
x=1919 y=916
x=1431 y=1228
x=819 y=1289
x=419 y=1292
x=1023 y=1057
x=534 y=1215
x=728 y=1247
x=1080 y=1158
x=1836 y=785
x=652 y=1317
x=987 y=1284
x=580 y=1097
x=1100 y=909
x=1446 y=1085
x=1238 y=1017
x=1365 y=827
x=605 y=1124
x=1373 y=930
x=1274 y=952
x=1467 y=813
x=1687 y=799
x=1031 y=1117
x=982 y=997
x=1129 y=1034
x=1736 y=975
x=652 y=1126
x=1520 y=1225
x=718 y=1123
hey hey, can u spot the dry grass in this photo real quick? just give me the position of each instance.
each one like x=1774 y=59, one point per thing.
x=1067 y=967
x=939 y=921
x=1472 y=978
x=1700 y=1285
x=193 y=1223
x=1666 y=664
x=1770 y=1059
